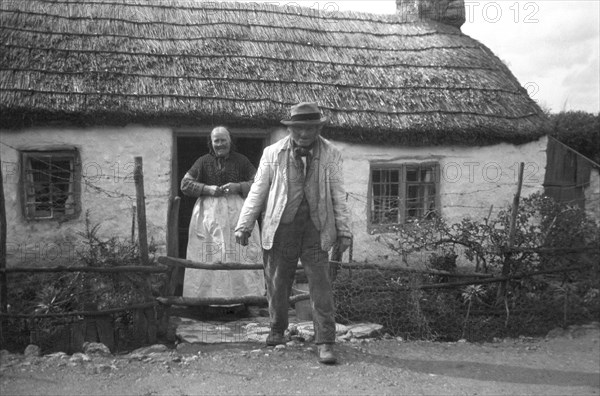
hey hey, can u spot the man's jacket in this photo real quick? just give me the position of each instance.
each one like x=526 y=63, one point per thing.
x=269 y=192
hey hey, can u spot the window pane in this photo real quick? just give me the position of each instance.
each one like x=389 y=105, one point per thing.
x=412 y=192
x=429 y=207
x=426 y=175
x=405 y=193
x=376 y=175
x=385 y=188
x=413 y=201
x=377 y=190
x=49 y=185
x=385 y=211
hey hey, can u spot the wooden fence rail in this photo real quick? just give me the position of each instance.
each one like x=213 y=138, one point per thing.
x=451 y=285
x=102 y=312
x=393 y=267
x=202 y=301
x=106 y=270
x=182 y=263
x=559 y=250
x=177 y=262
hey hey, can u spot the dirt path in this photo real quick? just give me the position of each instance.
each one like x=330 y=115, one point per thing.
x=565 y=365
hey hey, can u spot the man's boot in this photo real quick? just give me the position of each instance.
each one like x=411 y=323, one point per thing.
x=275 y=339
x=326 y=354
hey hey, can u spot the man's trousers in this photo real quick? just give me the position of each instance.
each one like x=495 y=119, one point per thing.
x=300 y=239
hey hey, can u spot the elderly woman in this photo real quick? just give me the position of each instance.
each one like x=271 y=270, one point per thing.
x=220 y=180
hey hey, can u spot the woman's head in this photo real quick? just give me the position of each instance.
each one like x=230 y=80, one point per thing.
x=220 y=141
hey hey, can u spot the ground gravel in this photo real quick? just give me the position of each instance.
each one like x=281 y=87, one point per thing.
x=564 y=363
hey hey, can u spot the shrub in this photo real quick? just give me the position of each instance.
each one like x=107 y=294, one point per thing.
x=528 y=305
x=57 y=293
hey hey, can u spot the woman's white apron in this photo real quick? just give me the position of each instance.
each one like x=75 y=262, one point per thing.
x=212 y=240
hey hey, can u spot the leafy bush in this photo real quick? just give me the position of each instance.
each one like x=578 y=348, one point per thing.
x=541 y=222
x=446 y=261
x=530 y=305
x=57 y=293
x=384 y=297
x=579 y=130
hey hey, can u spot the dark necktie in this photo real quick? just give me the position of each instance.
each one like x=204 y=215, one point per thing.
x=299 y=153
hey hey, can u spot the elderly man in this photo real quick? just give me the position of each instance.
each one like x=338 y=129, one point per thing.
x=299 y=186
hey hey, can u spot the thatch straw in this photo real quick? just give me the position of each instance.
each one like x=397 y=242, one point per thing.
x=176 y=62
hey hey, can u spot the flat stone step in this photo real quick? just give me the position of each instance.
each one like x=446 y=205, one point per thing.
x=256 y=329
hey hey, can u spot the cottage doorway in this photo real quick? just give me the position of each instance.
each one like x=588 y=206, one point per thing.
x=188 y=148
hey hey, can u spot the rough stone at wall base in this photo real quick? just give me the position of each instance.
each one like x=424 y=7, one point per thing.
x=95 y=348
x=32 y=351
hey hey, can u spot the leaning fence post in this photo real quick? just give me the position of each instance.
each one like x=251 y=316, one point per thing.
x=138 y=177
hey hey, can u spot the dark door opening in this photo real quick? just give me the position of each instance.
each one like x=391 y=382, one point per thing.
x=188 y=150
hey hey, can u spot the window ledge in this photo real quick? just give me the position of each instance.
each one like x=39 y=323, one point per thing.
x=383 y=228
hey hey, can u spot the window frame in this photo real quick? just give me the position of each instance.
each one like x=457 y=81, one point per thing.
x=71 y=154
x=403 y=185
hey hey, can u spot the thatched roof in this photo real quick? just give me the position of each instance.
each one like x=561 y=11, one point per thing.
x=182 y=62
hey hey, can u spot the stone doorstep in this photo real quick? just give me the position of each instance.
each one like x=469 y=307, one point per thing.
x=256 y=329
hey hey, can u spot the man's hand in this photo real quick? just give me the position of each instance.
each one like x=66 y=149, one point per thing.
x=231 y=188
x=213 y=191
x=343 y=243
x=241 y=237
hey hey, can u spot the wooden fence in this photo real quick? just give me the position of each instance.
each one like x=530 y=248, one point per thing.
x=151 y=317
x=90 y=324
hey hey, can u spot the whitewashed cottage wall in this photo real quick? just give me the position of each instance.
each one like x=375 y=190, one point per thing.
x=592 y=195
x=107 y=189
x=472 y=179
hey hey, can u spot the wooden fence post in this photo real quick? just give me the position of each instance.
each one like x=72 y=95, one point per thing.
x=173 y=274
x=506 y=266
x=3 y=282
x=138 y=177
x=133 y=211
x=176 y=273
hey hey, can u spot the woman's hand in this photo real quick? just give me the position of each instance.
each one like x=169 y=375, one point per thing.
x=231 y=188
x=212 y=191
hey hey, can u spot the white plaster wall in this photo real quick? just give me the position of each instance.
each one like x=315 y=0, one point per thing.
x=108 y=189
x=472 y=180
x=592 y=196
